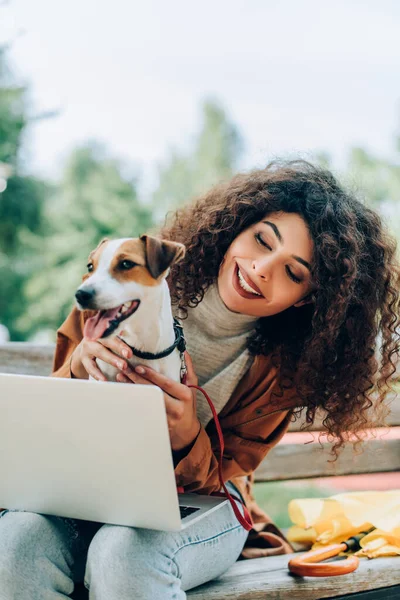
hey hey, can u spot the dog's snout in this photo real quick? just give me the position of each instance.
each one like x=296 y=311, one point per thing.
x=85 y=297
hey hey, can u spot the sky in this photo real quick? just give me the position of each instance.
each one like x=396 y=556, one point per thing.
x=296 y=76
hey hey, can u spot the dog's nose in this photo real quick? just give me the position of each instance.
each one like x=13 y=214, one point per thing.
x=85 y=297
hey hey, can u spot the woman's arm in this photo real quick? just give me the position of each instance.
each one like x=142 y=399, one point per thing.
x=244 y=450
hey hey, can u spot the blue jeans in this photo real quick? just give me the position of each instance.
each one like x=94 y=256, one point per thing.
x=41 y=557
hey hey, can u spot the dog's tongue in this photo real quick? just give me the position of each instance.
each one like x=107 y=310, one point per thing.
x=96 y=326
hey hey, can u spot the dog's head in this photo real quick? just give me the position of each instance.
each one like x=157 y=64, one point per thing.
x=123 y=274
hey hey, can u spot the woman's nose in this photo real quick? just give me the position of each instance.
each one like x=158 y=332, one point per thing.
x=261 y=268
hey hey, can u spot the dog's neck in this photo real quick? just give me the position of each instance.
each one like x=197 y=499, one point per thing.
x=152 y=328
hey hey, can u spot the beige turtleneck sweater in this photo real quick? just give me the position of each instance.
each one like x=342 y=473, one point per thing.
x=216 y=341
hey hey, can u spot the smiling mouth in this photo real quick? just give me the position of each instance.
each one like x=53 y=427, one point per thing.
x=243 y=287
x=105 y=322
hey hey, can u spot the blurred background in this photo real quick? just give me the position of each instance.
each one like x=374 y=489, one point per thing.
x=114 y=113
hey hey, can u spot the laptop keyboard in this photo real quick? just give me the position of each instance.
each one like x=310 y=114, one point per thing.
x=187 y=510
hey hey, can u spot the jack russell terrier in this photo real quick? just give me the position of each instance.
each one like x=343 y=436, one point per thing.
x=126 y=284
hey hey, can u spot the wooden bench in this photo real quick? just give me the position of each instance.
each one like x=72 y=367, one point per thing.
x=268 y=578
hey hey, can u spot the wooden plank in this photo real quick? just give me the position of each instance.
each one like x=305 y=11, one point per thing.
x=392 y=400
x=26 y=358
x=387 y=593
x=298 y=461
x=262 y=578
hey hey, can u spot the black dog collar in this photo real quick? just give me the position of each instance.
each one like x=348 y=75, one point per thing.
x=178 y=343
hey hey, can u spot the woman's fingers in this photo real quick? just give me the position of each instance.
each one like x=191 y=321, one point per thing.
x=121 y=378
x=109 y=350
x=118 y=346
x=171 y=387
x=130 y=376
x=98 y=350
x=92 y=369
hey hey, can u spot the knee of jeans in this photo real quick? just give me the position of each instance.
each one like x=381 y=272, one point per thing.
x=19 y=534
x=110 y=546
x=113 y=547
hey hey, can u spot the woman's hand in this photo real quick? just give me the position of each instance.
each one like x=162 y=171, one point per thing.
x=110 y=350
x=180 y=401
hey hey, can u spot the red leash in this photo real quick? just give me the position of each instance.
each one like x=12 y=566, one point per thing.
x=245 y=520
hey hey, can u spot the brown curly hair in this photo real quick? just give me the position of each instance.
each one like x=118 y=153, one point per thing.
x=326 y=348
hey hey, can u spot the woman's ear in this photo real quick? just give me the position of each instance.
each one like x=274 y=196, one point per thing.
x=309 y=299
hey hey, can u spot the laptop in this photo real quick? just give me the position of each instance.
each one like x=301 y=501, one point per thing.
x=93 y=451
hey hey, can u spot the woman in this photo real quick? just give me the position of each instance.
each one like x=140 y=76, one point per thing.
x=287 y=283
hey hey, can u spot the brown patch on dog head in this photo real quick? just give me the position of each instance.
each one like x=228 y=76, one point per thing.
x=94 y=257
x=161 y=254
x=133 y=251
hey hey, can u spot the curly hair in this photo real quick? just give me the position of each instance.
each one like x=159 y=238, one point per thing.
x=327 y=348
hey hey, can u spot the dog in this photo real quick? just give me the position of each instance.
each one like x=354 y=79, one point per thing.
x=126 y=284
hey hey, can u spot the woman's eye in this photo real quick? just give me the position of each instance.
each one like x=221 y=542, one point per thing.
x=261 y=241
x=90 y=267
x=127 y=264
x=293 y=276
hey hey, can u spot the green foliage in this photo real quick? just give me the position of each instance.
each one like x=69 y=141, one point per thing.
x=92 y=201
x=375 y=179
x=213 y=158
x=20 y=216
x=12 y=114
x=21 y=204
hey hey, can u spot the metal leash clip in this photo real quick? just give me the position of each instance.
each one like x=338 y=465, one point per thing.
x=184 y=371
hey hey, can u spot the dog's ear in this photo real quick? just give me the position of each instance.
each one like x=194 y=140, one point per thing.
x=161 y=254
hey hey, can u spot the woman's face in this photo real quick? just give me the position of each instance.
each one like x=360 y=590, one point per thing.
x=266 y=269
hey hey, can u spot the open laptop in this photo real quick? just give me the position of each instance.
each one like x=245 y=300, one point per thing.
x=93 y=451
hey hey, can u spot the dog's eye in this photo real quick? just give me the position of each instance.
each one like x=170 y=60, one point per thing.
x=90 y=267
x=125 y=265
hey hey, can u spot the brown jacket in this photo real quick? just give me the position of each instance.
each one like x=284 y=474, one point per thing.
x=252 y=422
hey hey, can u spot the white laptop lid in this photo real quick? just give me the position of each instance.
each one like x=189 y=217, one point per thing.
x=87 y=450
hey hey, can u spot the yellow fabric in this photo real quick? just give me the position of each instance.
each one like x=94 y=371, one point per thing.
x=322 y=521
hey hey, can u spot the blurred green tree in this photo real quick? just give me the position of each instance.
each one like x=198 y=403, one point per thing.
x=213 y=157
x=92 y=201
x=21 y=200
x=379 y=181
x=376 y=179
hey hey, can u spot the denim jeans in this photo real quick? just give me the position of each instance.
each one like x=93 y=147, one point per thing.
x=42 y=557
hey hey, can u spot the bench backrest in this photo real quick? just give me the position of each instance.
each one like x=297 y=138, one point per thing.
x=294 y=459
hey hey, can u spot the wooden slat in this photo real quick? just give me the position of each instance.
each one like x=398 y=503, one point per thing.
x=298 y=461
x=262 y=578
x=393 y=418
x=26 y=358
